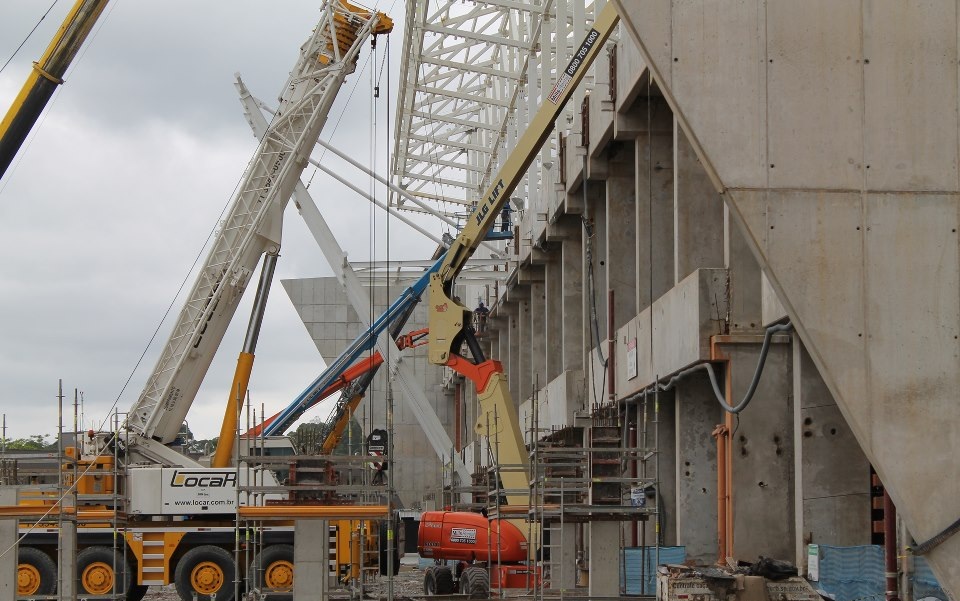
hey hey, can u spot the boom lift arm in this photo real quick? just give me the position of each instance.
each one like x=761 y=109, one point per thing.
x=449 y=320
x=46 y=75
x=251 y=228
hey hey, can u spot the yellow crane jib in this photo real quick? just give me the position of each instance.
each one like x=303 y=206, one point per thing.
x=447 y=317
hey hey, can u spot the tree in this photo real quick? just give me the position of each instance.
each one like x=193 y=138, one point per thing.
x=37 y=442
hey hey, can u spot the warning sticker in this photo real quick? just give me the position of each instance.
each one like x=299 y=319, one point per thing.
x=463 y=535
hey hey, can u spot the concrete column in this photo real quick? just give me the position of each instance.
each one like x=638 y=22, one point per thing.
x=525 y=339
x=67 y=554
x=697 y=414
x=621 y=228
x=698 y=212
x=8 y=539
x=604 y=561
x=833 y=496
x=654 y=193
x=596 y=212
x=563 y=557
x=513 y=367
x=553 y=332
x=661 y=437
x=311 y=552
x=572 y=309
x=762 y=447
x=538 y=330
x=746 y=287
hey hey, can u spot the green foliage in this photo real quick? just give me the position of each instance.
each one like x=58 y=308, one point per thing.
x=36 y=442
x=309 y=437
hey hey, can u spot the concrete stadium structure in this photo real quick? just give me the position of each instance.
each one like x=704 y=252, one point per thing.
x=739 y=164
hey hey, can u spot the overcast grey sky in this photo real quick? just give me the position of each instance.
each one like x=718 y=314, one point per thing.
x=106 y=208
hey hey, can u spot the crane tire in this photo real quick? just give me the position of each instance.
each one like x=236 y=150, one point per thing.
x=136 y=592
x=444 y=577
x=102 y=573
x=271 y=572
x=204 y=570
x=36 y=573
x=475 y=583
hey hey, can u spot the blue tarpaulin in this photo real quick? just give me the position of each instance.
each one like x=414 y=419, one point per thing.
x=631 y=567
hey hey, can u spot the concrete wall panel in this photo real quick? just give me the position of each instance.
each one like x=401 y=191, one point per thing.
x=814 y=67
x=911 y=133
x=718 y=54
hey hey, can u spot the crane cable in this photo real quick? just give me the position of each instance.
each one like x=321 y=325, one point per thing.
x=32 y=31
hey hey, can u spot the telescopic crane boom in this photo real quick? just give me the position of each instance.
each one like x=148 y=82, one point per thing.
x=251 y=228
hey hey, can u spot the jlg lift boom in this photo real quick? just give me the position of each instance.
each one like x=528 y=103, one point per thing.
x=454 y=535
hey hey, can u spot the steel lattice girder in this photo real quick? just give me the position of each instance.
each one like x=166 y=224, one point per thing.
x=471 y=76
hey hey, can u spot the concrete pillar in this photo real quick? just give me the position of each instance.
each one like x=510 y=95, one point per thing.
x=746 y=279
x=311 y=552
x=621 y=228
x=563 y=557
x=661 y=437
x=604 y=564
x=8 y=539
x=524 y=339
x=572 y=309
x=67 y=554
x=697 y=414
x=513 y=366
x=596 y=212
x=698 y=212
x=654 y=181
x=553 y=332
x=833 y=496
x=538 y=329
x=762 y=446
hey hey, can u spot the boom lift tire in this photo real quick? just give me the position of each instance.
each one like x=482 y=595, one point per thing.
x=271 y=571
x=430 y=580
x=475 y=582
x=102 y=573
x=36 y=573
x=444 y=576
x=204 y=570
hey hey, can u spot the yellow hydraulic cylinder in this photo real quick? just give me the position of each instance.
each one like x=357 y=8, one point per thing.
x=228 y=429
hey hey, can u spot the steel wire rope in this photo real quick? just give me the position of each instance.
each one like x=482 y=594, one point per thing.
x=43 y=117
x=35 y=26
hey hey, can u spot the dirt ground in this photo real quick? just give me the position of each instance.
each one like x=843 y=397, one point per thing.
x=408 y=582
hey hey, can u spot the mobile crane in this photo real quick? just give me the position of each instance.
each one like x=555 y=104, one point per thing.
x=464 y=537
x=46 y=75
x=181 y=515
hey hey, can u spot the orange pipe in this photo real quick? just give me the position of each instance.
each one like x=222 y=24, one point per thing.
x=721 y=433
x=346 y=512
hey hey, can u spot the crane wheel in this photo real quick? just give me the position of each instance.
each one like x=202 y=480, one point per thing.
x=475 y=583
x=204 y=571
x=102 y=573
x=136 y=592
x=36 y=573
x=271 y=571
x=444 y=577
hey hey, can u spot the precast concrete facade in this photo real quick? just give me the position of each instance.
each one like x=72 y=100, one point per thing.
x=830 y=128
x=640 y=265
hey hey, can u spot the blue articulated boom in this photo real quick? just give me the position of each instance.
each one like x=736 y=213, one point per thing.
x=361 y=344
